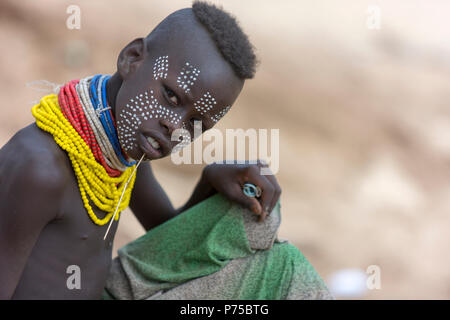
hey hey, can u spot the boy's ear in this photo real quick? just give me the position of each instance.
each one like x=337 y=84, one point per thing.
x=131 y=57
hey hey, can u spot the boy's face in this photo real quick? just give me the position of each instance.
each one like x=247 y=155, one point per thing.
x=170 y=89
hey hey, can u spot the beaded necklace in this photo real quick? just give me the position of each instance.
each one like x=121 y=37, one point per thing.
x=108 y=188
x=73 y=110
x=98 y=98
x=99 y=132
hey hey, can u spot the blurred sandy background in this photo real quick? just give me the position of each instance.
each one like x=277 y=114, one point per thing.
x=363 y=114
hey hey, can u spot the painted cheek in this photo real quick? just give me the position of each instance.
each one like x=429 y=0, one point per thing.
x=205 y=103
x=141 y=108
x=215 y=118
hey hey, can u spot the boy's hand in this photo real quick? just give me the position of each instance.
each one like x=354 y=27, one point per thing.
x=229 y=180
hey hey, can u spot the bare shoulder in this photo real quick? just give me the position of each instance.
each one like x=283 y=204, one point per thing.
x=32 y=163
x=32 y=184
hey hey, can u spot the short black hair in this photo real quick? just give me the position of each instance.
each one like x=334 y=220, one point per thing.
x=229 y=38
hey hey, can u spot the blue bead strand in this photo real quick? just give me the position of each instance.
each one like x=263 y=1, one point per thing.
x=97 y=90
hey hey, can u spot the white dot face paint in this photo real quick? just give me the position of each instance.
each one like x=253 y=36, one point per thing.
x=205 y=103
x=215 y=118
x=161 y=67
x=141 y=108
x=145 y=107
x=187 y=76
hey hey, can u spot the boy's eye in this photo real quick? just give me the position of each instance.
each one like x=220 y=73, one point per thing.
x=172 y=96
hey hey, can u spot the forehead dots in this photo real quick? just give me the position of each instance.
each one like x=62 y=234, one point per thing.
x=161 y=67
x=141 y=108
x=187 y=77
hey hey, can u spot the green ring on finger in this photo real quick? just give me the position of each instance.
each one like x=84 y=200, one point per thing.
x=252 y=191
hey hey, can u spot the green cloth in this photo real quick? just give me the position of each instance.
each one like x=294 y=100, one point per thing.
x=209 y=251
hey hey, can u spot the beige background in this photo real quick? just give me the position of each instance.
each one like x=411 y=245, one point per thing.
x=363 y=116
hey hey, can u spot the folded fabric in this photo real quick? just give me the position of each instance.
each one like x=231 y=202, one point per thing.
x=215 y=250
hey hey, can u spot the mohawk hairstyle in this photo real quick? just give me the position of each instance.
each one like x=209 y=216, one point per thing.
x=229 y=38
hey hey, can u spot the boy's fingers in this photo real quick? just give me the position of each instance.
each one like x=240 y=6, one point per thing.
x=263 y=216
x=267 y=189
x=237 y=195
x=277 y=192
x=271 y=186
x=267 y=195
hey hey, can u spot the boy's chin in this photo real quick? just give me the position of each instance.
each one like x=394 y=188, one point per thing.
x=136 y=154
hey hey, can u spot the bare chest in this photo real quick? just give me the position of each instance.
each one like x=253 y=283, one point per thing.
x=70 y=259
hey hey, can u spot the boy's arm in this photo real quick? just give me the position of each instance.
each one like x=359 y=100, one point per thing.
x=27 y=204
x=149 y=202
x=151 y=206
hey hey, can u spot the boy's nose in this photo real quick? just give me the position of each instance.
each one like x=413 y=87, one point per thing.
x=169 y=126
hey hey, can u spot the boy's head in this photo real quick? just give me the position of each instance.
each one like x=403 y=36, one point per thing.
x=191 y=67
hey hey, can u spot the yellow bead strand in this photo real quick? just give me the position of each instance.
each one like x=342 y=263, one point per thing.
x=93 y=180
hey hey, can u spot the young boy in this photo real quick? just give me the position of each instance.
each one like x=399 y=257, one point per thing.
x=63 y=176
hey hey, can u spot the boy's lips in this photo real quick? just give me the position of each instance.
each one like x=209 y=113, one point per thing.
x=153 y=144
